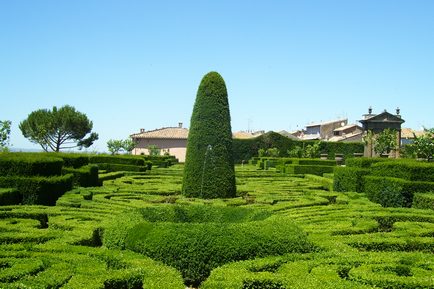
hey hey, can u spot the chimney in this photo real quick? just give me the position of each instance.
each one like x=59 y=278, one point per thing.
x=397 y=111
x=180 y=124
x=142 y=130
x=370 y=110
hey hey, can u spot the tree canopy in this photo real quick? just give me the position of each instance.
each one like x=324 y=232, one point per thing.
x=5 y=130
x=117 y=145
x=59 y=128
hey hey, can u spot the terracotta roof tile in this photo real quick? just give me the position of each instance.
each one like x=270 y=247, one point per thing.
x=164 y=133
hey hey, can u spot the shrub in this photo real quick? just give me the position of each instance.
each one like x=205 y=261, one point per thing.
x=86 y=176
x=73 y=160
x=123 y=160
x=23 y=164
x=316 y=162
x=9 y=197
x=423 y=201
x=110 y=176
x=209 y=166
x=200 y=246
x=39 y=190
x=405 y=169
x=349 y=179
x=111 y=167
x=394 y=192
x=364 y=162
x=303 y=169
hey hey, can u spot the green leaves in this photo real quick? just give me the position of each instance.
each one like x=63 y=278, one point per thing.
x=5 y=131
x=58 y=129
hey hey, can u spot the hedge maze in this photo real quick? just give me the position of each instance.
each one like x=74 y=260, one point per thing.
x=134 y=229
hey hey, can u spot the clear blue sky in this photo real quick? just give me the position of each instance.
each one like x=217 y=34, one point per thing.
x=137 y=64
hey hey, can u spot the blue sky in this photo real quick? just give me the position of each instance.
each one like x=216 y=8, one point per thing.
x=137 y=64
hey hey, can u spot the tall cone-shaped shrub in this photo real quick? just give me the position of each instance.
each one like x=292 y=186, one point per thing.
x=209 y=165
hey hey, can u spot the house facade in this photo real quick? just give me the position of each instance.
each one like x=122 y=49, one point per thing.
x=170 y=140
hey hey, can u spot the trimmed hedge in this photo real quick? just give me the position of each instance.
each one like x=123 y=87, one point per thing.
x=364 y=162
x=313 y=170
x=13 y=164
x=405 y=169
x=73 y=160
x=111 y=167
x=86 y=176
x=39 y=190
x=209 y=171
x=9 y=197
x=183 y=237
x=349 y=179
x=394 y=192
x=122 y=160
x=423 y=201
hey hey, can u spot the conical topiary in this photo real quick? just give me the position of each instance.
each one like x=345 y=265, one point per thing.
x=209 y=165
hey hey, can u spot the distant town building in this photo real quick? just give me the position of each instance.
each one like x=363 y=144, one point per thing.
x=408 y=135
x=379 y=122
x=171 y=140
x=347 y=133
x=322 y=130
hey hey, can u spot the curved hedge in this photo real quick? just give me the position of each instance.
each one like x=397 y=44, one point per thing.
x=197 y=238
x=349 y=179
x=209 y=166
x=122 y=160
x=39 y=190
x=394 y=192
x=405 y=169
x=23 y=164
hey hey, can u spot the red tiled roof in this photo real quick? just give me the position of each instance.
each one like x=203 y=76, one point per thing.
x=164 y=133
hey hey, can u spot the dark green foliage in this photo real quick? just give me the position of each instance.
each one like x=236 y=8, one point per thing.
x=123 y=160
x=262 y=284
x=405 y=169
x=39 y=190
x=86 y=176
x=24 y=164
x=313 y=162
x=364 y=162
x=349 y=179
x=313 y=170
x=245 y=149
x=112 y=167
x=209 y=165
x=73 y=160
x=423 y=201
x=202 y=214
x=125 y=280
x=196 y=248
x=57 y=129
x=9 y=197
x=394 y=192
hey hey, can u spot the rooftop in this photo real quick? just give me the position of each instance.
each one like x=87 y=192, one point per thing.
x=163 y=133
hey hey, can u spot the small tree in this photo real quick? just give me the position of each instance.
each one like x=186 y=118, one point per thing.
x=312 y=150
x=295 y=152
x=424 y=144
x=58 y=129
x=273 y=152
x=114 y=146
x=128 y=145
x=5 y=131
x=154 y=150
x=385 y=142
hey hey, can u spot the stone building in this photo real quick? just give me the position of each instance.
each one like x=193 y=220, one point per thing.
x=377 y=123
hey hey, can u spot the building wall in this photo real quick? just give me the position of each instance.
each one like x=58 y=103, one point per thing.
x=175 y=147
x=327 y=129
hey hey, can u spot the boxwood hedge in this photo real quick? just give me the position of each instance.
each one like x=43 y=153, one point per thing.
x=13 y=164
x=349 y=179
x=394 y=192
x=405 y=169
x=39 y=190
x=86 y=176
x=423 y=201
